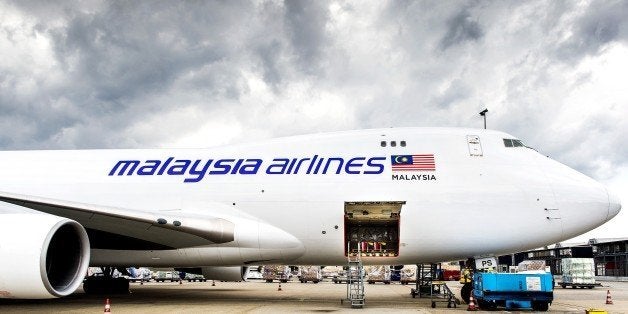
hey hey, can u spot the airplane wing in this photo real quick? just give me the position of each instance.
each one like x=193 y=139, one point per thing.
x=121 y=228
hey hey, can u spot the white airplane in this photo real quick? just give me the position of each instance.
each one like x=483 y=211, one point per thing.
x=394 y=196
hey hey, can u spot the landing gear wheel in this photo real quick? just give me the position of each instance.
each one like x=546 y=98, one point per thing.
x=101 y=285
x=433 y=304
x=104 y=283
x=487 y=305
x=465 y=292
x=413 y=293
x=540 y=306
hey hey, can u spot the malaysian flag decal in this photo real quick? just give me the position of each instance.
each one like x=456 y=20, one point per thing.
x=423 y=162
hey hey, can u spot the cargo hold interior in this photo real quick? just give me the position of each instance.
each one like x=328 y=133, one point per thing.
x=372 y=228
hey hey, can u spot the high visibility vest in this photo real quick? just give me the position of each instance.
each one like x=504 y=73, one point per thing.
x=466 y=276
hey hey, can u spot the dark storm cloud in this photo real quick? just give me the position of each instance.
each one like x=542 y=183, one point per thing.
x=603 y=22
x=306 y=23
x=145 y=73
x=269 y=53
x=457 y=90
x=461 y=27
x=141 y=47
x=117 y=56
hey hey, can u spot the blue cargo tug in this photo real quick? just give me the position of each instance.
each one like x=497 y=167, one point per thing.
x=514 y=291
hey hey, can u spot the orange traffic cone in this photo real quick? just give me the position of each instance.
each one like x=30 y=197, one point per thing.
x=107 y=306
x=608 y=297
x=279 y=289
x=472 y=306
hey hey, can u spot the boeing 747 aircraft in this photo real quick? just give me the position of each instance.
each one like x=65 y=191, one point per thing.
x=394 y=196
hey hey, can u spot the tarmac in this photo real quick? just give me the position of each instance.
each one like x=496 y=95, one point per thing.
x=294 y=297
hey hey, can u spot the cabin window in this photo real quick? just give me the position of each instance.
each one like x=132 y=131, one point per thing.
x=403 y=143
x=383 y=143
x=393 y=144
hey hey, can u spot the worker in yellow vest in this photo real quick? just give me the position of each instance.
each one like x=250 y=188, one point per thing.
x=466 y=279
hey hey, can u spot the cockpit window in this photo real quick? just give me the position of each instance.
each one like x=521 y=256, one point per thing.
x=508 y=142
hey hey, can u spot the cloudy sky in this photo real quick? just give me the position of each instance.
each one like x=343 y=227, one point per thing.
x=133 y=74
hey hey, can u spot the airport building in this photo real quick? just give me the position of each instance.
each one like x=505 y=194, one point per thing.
x=610 y=256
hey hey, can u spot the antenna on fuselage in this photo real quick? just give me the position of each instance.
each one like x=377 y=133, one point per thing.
x=483 y=114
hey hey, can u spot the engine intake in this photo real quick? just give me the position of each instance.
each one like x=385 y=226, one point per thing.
x=43 y=256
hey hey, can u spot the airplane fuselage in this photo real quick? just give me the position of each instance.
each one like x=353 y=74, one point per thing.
x=469 y=194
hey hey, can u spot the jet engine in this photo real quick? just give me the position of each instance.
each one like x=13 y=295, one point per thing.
x=43 y=256
x=225 y=273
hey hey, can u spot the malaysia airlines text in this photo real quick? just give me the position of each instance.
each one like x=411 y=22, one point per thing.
x=196 y=170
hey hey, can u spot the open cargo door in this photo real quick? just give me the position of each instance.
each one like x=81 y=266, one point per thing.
x=372 y=228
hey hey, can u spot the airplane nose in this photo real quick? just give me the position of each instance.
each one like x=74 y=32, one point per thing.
x=614 y=205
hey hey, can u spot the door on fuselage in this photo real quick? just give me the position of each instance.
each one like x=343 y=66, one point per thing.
x=372 y=228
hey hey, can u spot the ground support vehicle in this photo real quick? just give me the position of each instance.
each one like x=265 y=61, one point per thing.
x=162 y=276
x=514 y=291
x=451 y=274
x=195 y=277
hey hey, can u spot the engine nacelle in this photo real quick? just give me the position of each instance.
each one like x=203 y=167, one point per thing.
x=41 y=256
x=225 y=273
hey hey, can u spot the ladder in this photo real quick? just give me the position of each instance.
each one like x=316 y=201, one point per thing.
x=355 y=279
x=426 y=274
